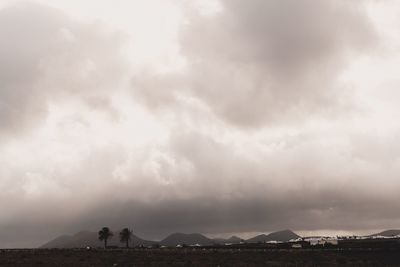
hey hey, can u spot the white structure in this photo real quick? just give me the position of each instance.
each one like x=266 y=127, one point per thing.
x=274 y=242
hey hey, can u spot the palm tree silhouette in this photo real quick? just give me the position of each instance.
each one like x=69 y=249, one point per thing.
x=104 y=235
x=125 y=236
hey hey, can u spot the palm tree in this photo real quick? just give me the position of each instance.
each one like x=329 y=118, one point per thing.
x=104 y=235
x=125 y=236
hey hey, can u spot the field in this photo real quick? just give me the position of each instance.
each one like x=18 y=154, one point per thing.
x=199 y=257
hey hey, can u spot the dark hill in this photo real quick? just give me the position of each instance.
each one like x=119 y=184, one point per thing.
x=283 y=236
x=186 y=239
x=58 y=242
x=389 y=233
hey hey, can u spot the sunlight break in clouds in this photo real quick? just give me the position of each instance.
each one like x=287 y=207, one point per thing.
x=217 y=117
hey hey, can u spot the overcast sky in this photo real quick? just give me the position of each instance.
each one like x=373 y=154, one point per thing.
x=217 y=116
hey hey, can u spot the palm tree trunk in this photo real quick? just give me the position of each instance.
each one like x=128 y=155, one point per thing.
x=127 y=243
x=105 y=243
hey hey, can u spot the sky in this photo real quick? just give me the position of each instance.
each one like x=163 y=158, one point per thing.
x=213 y=116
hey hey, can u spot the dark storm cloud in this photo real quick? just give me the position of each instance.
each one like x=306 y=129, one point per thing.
x=258 y=62
x=336 y=211
x=254 y=213
x=213 y=189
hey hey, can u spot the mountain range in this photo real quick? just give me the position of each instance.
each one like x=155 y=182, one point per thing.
x=87 y=238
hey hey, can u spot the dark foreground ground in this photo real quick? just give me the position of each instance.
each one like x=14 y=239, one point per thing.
x=189 y=257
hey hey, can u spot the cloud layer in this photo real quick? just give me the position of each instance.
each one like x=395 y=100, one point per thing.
x=264 y=62
x=272 y=118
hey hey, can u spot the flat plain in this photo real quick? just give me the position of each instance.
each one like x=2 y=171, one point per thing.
x=199 y=257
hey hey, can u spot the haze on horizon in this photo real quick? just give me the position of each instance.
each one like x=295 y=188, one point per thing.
x=210 y=116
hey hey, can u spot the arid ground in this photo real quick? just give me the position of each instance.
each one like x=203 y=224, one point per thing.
x=190 y=257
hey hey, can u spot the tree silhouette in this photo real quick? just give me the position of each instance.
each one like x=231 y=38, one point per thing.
x=125 y=236
x=104 y=235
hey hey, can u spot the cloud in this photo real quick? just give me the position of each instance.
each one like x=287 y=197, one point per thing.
x=255 y=63
x=45 y=55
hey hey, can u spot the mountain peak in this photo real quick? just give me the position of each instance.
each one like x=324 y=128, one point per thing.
x=187 y=239
x=392 y=232
x=283 y=235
